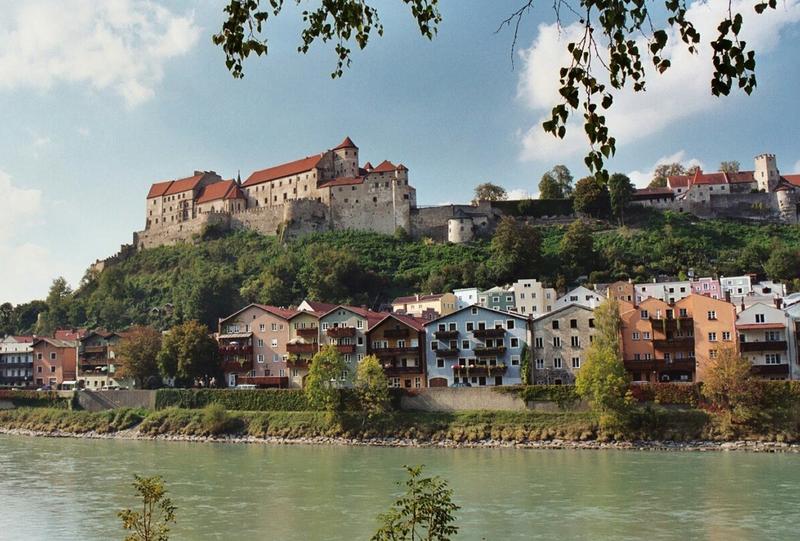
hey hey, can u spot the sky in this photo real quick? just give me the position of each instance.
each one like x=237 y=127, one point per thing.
x=100 y=99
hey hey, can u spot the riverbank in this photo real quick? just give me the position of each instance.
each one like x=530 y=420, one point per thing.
x=672 y=430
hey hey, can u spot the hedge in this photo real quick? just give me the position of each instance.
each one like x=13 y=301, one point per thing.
x=36 y=399
x=686 y=394
x=564 y=396
x=254 y=399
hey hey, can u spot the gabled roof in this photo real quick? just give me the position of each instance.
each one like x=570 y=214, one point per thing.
x=347 y=143
x=372 y=317
x=368 y=166
x=418 y=298
x=678 y=181
x=69 y=334
x=709 y=178
x=55 y=342
x=342 y=181
x=384 y=167
x=227 y=189
x=283 y=313
x=158 y=189
x=284 y=170
x=413 y=322
x=652 y=193
x=479 y=307
x=184 y=184
x=741 y=177
x=794 y=180
x=321 y=307
x=569 y=306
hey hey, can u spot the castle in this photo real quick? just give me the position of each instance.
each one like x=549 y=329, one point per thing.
x=327 y=191
x=761 y=194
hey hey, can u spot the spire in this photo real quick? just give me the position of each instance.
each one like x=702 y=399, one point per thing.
x=347 y=143
x=239 y=177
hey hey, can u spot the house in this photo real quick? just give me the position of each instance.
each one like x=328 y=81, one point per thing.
x=669 y=292
x=764 y=340
x=560 y=339
x=532 y=298
x=399 y=343
x=346 y=328
x=476 y=346
x=621 y=290
x=429 y=306
x=710 y=287
x=466 y=296
x=54 y=362
x=16 y=361
x=737 y=285
x=713 y=324
x=304 y=338
x=657 y=342
x=498 y=298
x=252 y=344
x=580 y=295
x=96 y=360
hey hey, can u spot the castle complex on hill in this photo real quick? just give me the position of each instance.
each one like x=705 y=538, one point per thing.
x=762 y=194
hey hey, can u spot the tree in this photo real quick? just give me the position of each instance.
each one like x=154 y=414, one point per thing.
x=189 y=353
x=591 y=198
x=327 y=371
x=158 y=512
x=277 y=285
x=729 y=385
x=663 y=171
x=620 y=190
x=556 y=183
x=335 y=275
x=658 y=182
x=783 y=263
x=372 y=386
x=7 y=319
x=56 y=315
x=515 y=249
x=602 y=379
x=489 y=192
x=617 y=38
x=576 y=249
x=424 y=512
x=729 y=167
x=137 y=354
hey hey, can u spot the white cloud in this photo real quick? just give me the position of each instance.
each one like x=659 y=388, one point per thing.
x=642 y=178
x=18 y=207
x=519 y=193
x=84 y=132
x=682 y=91
x=796 y=168
x=120 y=45
x=41 y=141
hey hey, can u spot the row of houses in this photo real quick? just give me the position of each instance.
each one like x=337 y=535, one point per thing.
x=68 y=359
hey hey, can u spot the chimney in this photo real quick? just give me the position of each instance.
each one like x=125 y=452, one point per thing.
x=778 y=302
x=416 y=296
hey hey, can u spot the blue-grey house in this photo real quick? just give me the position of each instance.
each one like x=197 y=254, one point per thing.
x=475 y=345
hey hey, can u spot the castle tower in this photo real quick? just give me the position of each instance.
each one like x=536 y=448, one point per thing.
x=345 y=159
x=766 y=172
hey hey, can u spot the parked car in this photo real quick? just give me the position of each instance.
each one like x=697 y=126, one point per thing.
x=462 y=384
x=246 y=386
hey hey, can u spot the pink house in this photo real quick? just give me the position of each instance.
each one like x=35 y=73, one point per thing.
x=707 y=286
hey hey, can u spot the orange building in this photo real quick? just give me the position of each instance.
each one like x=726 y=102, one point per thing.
x=54 y=361
x=622 y=291
x=714 y=324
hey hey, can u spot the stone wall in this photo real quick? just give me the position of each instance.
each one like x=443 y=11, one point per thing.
x=106 y=400
x=473 y=398
x=180 y=232
x=753 y=206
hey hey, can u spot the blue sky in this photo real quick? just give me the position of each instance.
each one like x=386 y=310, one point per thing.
x=99 y=102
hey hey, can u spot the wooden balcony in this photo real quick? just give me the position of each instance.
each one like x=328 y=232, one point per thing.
x=301 y=349
x=445 y=352
x=770 y=369
x=341 y=332
x=677 y=342
x=401 y=370
x=396 y=333
x=235 y=350
x=489 y=333
x=346 y=348
x=395 y=350
x=445 y=335
x=264 y=381
x=480 y=370
x=766 y=345
x=308 y=332
x=298 y=362
x=95 y=349
x=237 y=367
x=489 y=352
x=660 y=365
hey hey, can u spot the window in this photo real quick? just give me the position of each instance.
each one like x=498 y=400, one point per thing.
x=646 y=335
x=591 y=323
x=474 y=311
x=573 y=323
x=262 y=327
x=515 y=342
x=510 y=324
x=274 y=342
x=360 y=324
x=712 y=314
x=635 y=336
x=495 y=299
x=575 y=341
x=39 y=356
x=712 y=337
x=540 y=363
x=556 y=341
x=555 y=324
x=726 y=335
x=260 y=358
x=260 y=342
x=576 y=362
x=539 y=343
x=648 y=356
x=434 y=345
x=439 y=363
x=712 y=353
x=441 y=327
x=683 y=313
x=274 y=327
x=509 y=299
x=644 y=314
x=470 y=326
x=557 y=362
x=52 y=369
x=325 y=326
x=773 y=358
x=465 y=344
x=772 y=336
x=452 y=326
x=52 y=355
x=759 y=318
x=515 y=360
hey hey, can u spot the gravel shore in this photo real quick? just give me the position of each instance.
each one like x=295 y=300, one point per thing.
x=696 y=446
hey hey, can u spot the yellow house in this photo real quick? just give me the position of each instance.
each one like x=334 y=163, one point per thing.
x=428 y=307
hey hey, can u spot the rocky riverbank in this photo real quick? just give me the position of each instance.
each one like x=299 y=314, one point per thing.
x=695 y=446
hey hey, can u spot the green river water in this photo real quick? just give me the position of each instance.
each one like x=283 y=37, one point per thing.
x=53 y=489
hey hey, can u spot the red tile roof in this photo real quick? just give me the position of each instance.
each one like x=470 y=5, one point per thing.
x=402 y=167
x=321 y=306
x=678 y=181
x=347 y=143
x=184 y=184
x=794 y=180
x=69 y=334
x=709 y=178
x=158 y=189
x=23 y=339
x=279 y=171
x=385 y=167
x=368 y=166
x=227 y=189
x=342 y=181
x=653 y=192
x=741 y=177
x=283 y=313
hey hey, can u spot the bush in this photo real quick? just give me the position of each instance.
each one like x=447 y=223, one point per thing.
x=36 y=399
x=233 y=399
x=564 y=396
x=686 y=394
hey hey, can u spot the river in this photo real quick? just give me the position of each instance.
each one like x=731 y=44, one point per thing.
x=54 y=489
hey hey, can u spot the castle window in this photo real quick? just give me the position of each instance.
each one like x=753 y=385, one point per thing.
x=353 y=188
x=374 y=199
x=346 y=200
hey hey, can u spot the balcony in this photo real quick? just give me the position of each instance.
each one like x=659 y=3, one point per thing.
x=93 y=361
x=94 y=349
x=677 y=342
x=17 y=364
x=264 y=381
x=480 y=370
x=395 y=350
x=308 y=332
x=341 y=332
x=301 y=349
x=226 y=350
x=489 y=351
x=489 y=333
x=401 y=370
x=235 y=366
x=770 y=369
x=346 y=348
x=396 y=333
x=767 y=345
x=298 y=362
x=450 y=352
x=660 y=365
x=445 y=335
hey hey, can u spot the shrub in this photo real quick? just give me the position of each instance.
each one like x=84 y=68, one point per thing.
x=564 y=396
x=36 y=399
x=686 y=394
x=233 y=399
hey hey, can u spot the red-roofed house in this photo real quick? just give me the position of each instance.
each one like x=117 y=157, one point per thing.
x=346 y=328
x=399 y=343
x=225 y=196
x=173 y=202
